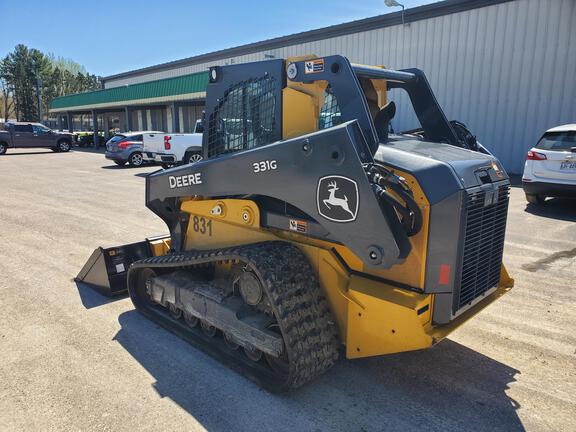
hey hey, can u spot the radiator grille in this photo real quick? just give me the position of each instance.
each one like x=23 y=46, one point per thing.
x=483 y=244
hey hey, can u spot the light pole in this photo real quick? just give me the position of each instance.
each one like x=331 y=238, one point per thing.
x=394 y=3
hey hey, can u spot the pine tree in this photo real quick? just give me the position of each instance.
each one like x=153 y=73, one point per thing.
x=20 y=70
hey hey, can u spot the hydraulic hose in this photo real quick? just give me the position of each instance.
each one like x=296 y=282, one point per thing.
x=407 y=208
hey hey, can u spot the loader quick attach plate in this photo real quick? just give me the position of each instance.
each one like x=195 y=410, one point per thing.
x=107 y=267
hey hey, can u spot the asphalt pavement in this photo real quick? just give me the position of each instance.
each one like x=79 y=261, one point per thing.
x=71 y=359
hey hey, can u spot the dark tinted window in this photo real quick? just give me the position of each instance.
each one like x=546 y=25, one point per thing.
x=557 y=141
x=23 y=128
x=116 y=138
x=40 y=129
x=135 y=138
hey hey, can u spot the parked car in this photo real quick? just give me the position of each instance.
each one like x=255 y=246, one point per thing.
x=550 y=169
x=127 y=147
x=30 y=135
x=172 y=149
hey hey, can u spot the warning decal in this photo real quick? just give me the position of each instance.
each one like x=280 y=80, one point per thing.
x=298 y=226
x=314 y=66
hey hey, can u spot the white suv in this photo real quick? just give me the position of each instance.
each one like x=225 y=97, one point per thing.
x=550 y=169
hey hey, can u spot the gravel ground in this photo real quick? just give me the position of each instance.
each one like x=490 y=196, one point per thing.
x=71 y=359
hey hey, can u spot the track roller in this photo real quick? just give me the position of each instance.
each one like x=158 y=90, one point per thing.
x=273 y=309
x=190 y=319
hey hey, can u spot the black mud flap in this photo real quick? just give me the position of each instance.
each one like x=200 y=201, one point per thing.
x=107 y=267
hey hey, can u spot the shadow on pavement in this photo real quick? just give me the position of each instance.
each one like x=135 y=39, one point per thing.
x=47 y=152
x=101 y=149
x=555 y=208
x=91 y=298
x=116 y=167
x=143 y=174
x=449 y=387
x=127 y=167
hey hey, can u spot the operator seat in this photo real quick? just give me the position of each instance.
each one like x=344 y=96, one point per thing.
x=382 y=120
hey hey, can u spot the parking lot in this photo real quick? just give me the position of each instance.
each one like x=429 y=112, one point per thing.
x=71 y=359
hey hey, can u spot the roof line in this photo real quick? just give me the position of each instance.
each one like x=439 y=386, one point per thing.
x=132 y=102
x=128 y=85
x=380 y=21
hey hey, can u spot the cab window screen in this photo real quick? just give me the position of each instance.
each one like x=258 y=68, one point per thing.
x=330 y=112
x=245 y=117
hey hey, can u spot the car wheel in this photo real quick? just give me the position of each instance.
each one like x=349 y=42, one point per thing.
x=120 y=163
x=3 y=148
x=136 y=159
x=535 y=199
x=192 y=157
x=64 y=146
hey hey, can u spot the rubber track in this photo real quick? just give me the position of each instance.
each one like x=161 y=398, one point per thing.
x=302 y=312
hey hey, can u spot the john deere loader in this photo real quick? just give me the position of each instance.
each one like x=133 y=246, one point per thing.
x=309 y=228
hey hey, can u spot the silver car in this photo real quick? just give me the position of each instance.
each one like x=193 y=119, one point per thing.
x=126 y=147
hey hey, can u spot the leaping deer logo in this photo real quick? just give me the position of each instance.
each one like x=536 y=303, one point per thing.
x=333 y=200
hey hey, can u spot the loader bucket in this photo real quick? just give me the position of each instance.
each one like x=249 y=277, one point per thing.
x=107 y=267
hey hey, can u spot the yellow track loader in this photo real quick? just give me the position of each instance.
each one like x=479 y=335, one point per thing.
x=309 y=226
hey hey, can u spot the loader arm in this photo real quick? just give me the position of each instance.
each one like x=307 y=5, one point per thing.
x=299 y=165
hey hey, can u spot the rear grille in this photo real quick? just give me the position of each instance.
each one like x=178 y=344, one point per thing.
x=483 y=244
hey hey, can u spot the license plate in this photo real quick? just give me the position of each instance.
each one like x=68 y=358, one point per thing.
x=568 y=165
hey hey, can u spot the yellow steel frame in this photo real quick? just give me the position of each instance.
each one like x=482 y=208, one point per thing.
x=373 y=317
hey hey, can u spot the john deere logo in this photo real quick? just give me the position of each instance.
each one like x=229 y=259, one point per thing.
x=337 y=198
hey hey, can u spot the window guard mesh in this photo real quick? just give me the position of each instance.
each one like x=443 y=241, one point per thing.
x=244 y=118
x=330 y=112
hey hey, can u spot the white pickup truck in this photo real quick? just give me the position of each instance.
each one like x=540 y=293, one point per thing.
x=172 y=149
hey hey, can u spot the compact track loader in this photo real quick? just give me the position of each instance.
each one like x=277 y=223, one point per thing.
x=309 y=226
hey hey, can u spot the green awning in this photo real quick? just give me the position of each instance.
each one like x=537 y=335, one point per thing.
x=185 y=87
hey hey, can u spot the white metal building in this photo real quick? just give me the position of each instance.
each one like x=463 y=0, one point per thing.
x=505 y=68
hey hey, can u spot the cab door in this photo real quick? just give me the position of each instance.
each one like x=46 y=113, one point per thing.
x=23 y=135
x=42 y=136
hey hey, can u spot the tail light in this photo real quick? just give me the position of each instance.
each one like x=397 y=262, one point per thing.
x=532 y=155
x=167 y=139
x=125 y=144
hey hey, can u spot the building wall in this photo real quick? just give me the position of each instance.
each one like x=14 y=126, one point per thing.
x=507 y=70
x=188 y=116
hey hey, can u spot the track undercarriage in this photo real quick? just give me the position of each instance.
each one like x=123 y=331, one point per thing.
x=258 y=308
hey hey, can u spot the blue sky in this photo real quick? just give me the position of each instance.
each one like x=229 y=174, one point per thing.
x=109 y=37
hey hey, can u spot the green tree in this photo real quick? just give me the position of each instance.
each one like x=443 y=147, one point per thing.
x=6 y=101
x=24 y=70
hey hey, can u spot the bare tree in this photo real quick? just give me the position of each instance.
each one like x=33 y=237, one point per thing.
x=6 y=101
